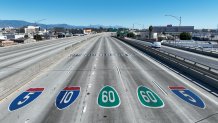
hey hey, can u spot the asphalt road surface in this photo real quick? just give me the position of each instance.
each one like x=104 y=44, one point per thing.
x=15 y=59
x=202 y=59
x=106 y=61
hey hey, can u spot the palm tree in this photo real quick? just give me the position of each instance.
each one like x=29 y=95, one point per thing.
x=150 y=31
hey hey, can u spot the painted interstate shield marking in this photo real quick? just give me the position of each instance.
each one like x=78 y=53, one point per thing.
x=25 y=98
x=108 y=97
x=187 y=96
x=148 y=98
x=67 y=96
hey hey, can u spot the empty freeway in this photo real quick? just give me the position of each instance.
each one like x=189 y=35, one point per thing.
x=98 y=62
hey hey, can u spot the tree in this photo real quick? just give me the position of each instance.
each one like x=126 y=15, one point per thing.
x=26 y=36
x=150 y=31
x=185 y=36
x=38 y=37
x=131 y=35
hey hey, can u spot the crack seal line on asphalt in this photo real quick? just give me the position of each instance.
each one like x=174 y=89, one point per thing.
x=119 y=73
x=206 y=117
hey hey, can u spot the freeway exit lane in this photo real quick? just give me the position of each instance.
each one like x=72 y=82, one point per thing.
x=106 y=61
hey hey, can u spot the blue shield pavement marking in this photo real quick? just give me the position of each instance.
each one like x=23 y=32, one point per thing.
x=67 y=96
x=25 y=98
x=188 y=96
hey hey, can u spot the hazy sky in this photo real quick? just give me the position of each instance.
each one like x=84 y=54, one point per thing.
x=200 y=13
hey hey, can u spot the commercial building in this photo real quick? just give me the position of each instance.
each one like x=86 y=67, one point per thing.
x=32 y=29
x=87 y=31
x=174 y=30
x=6 y=43
x=164 y=32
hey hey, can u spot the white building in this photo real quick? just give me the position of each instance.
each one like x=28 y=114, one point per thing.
x=32 y=29
x=87 y=31
x=2 y=37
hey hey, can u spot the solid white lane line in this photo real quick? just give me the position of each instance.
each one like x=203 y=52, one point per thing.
x=160 y=88
x=84 y=109
x=185 y=82
x=114 y=61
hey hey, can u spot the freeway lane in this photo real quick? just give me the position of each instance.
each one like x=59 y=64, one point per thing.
x=107 y=61
x=15 y=59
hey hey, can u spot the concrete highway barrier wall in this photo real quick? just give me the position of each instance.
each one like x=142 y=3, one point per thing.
x=14 y=82
x=193 y=70
x=193 y=50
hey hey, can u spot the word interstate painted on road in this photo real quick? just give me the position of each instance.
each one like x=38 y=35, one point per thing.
x=148 y=98
x=25 y=98
x=67 y=96
x=188 y=96
x=108 y=97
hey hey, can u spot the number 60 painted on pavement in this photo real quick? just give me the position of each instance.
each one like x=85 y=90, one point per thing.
x=108 y=97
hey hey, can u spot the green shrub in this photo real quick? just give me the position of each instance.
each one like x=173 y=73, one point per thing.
x=185 y=36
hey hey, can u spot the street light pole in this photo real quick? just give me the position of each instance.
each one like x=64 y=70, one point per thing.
x=177 y=18
x=37 y=21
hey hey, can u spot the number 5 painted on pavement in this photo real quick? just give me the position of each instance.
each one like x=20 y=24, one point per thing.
x=25 y=98
x=188 y=96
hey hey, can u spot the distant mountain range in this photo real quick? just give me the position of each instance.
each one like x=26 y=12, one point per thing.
x=20 y=23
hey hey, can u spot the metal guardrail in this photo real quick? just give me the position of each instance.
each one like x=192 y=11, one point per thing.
x=190 y=61
x=195 y=50
x=196 y=70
